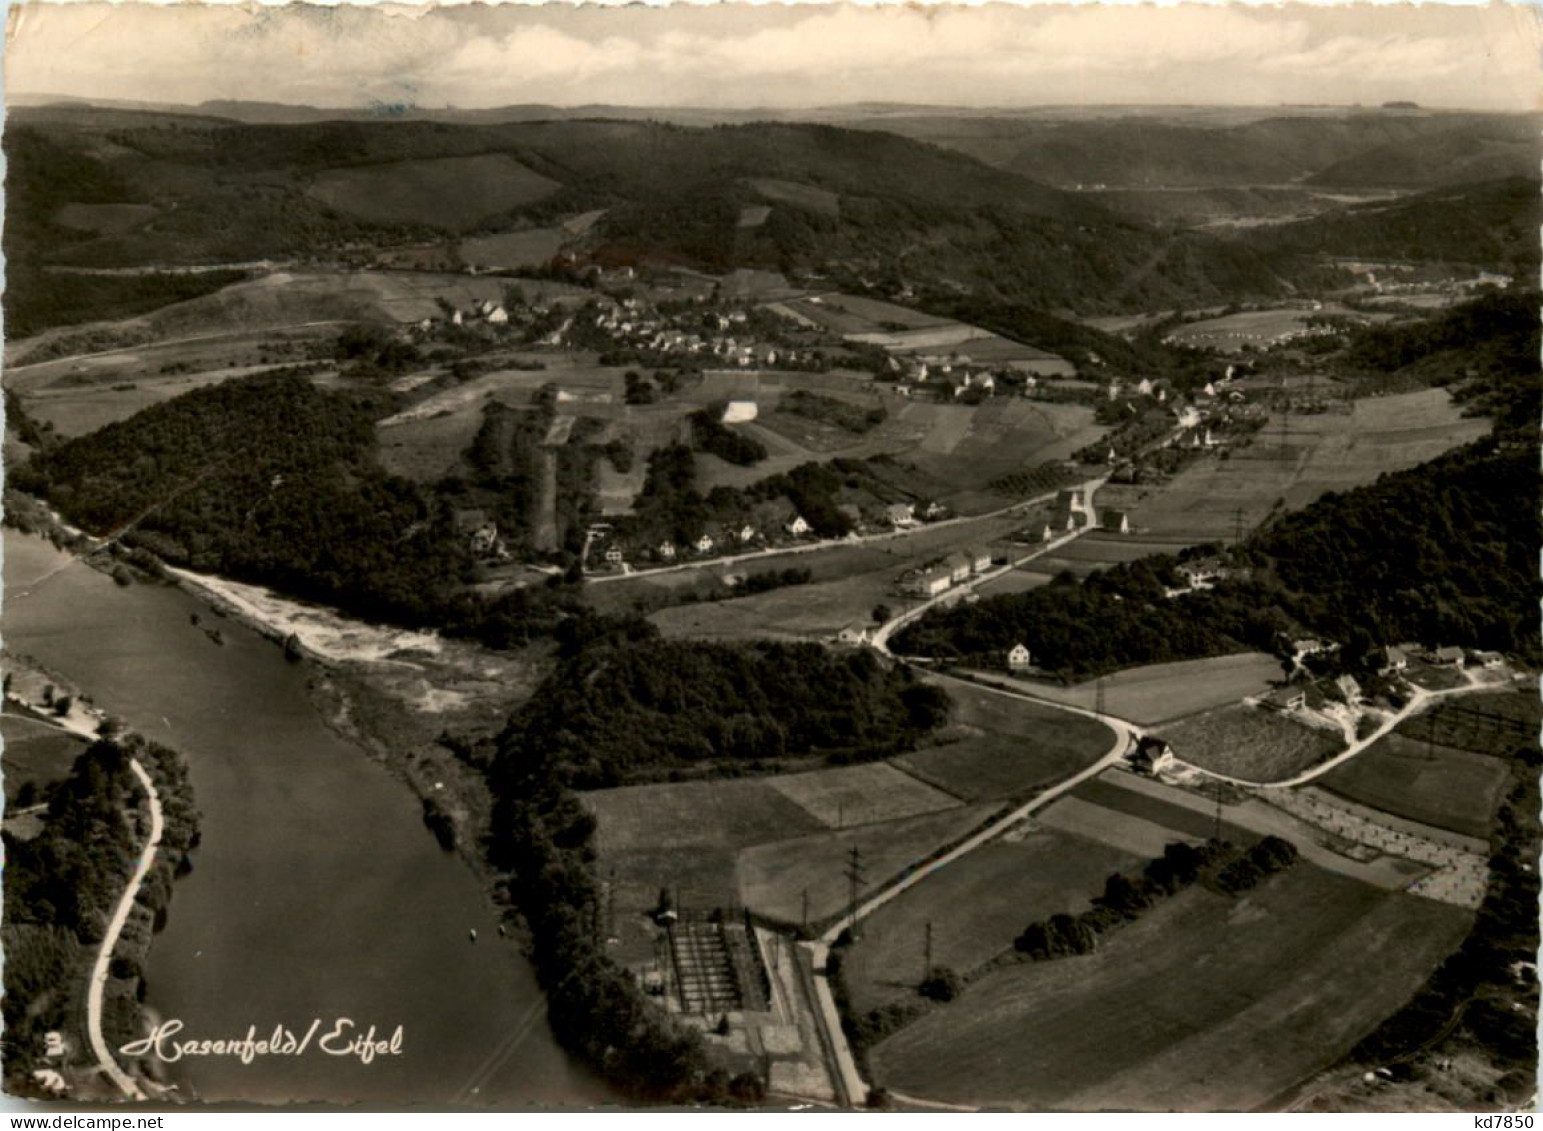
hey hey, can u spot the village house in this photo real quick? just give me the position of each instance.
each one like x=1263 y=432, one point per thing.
x=928 y=582
x=1488 y=660
x=798 y=527
x=498 y=316
x=1151 y=755
x=901 y=514
x=1116 y=522
x=959 y=566
x=704 y=544
x=1285 y=699
x=666 y=551
x=855 y=633
x=1349 y=689
x=614 y=555
x=1448 y=655
x=980 y=559
x=1018 y=658
x=747 y=533
x=1394 y=659
x=934 y=510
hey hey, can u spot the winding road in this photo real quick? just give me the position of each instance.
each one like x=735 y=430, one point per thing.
x=99 y=971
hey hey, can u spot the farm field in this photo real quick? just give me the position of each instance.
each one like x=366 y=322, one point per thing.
x=1321 y=453
x=707 y=814
x=860 y=795
x=35 y=753
x=1258 y=328
x=1495 y=723
x=1123 y=832
x=453 y=191
x=1205 y=1003
x=1193 y=815
x=774 y=877
x=1436 y=785
x=1157 y=693
x=977 y=905
x=760 y=842
x=1251 y=743
x=1019 y=580
x=529 y=248
x=996 y=748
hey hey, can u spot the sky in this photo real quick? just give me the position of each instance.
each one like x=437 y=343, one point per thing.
x=781 y=56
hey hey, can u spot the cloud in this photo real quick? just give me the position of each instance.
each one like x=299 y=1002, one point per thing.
x=994 y=54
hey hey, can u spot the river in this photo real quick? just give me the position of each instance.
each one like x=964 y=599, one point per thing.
x=317 y=893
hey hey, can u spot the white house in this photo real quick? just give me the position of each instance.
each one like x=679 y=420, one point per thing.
x=959 y=567
x=798 y=527
x=704 y=544
x=614 y=555
x=746 y=533
x=1018 y=658
x=1117 y=522
x=901 y=514
x=667 y=551
x=929 y=582
x=854 y=633
x=980 y=559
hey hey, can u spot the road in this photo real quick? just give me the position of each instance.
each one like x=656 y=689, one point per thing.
x=99 y=972
x=818 y=950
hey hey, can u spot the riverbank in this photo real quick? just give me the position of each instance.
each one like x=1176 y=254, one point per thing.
x=130 y=800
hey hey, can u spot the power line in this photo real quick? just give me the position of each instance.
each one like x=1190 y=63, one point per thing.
x=854 y=875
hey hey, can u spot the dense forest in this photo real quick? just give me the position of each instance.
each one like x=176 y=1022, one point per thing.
x=634 y=707
x=1442 y=553
x=1446 y=552
x=266 y=479
x=62 y=885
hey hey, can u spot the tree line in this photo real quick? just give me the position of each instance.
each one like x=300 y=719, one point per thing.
x=630 y=706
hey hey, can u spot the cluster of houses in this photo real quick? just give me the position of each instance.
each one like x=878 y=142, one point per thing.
x=732 y=538
x=1396 y=657
x=946 y=379
x=487 y=312
x=721 y=336
x=941 y=576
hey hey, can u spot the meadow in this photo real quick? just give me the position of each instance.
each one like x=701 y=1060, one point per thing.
x=976 y=906
x=997 y=748
x=36 y=753
x=1251 y=743
x=1158 y=693
x=1204 y=1003
x=1435 y=785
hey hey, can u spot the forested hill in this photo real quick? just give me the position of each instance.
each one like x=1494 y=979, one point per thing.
x=1444 y=553
x=1486 y=351
x=264 y=479
x=866 y=202
x=636 y=708
x=1491 y=224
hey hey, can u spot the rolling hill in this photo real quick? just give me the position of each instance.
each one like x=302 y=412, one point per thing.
x=861 y=201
